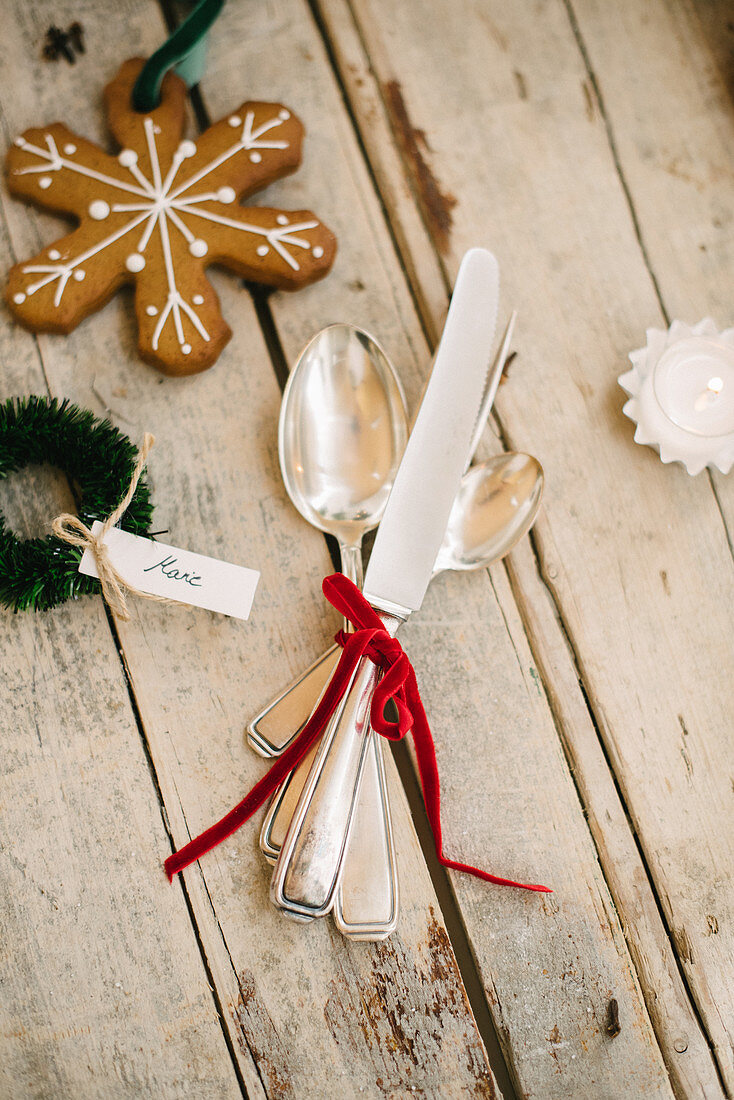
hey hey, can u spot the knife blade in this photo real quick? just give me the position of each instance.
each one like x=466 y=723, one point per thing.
x=412 y=529
x=308 y=869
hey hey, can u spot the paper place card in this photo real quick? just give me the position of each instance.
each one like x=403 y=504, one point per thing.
x=176 y=574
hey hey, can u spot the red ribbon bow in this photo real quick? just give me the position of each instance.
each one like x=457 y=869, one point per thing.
x=398 y=683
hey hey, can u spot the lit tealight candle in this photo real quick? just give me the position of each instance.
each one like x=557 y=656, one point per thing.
x=681 y=392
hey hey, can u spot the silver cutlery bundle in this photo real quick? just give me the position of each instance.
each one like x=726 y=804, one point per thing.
x=347 y=469
x=342 y=430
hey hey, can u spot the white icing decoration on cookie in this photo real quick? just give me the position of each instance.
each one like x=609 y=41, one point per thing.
x=158 y=205
x=70 y=150
x=19 y=299
x=318 y=251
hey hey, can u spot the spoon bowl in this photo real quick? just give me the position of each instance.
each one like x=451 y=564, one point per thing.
x=342 y=432
x=496 y=505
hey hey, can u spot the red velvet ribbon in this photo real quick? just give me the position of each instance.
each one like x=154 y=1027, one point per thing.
x=398 y=683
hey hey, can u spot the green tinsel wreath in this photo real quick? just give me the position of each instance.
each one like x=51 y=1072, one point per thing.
x=99 y=461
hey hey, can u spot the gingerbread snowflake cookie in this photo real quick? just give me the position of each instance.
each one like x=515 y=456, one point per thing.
x=158 y=215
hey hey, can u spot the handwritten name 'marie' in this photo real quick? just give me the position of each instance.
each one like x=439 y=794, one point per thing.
x=167 y=567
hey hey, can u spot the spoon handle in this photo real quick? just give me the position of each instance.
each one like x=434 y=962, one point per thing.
x=282 y=807
x=366 y=902
x=308 y=869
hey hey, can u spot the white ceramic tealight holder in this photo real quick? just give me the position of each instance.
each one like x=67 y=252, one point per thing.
x=681 y=390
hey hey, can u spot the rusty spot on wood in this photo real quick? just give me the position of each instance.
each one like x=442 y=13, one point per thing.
x=506 y=369
x=435 y=204
x=444 y=967
x=403 y=1012
x=612 y=1025
x=522 y=88
x=554 y=1039
x=683 y=945
x=666 y=584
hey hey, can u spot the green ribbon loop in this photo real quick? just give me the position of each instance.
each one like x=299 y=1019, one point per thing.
x=186 y=49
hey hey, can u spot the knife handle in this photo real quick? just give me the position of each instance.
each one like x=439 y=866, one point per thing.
x=308 y=869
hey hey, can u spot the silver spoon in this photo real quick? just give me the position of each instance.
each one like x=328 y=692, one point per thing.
x=496 y=506
x=341 y=435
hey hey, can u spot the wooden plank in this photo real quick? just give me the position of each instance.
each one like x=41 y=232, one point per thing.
x=684 y=1043
x=582 y=251
x=104 y=989
x=396 y=187
x=677 y=162
x=536 y=1017
x=312 y=1012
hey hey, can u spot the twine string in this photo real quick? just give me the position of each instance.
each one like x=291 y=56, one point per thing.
x=72 y=530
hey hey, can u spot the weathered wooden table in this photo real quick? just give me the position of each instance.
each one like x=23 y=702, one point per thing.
x=581 y=695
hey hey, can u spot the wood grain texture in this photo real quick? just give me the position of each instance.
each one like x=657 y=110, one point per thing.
x=674 y=150
x=306 y=1012
x=536 y=1026
x=104 y=990
x=646 y=612
x=682 y=1040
